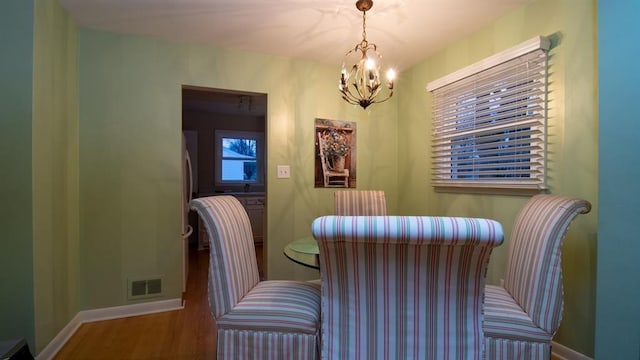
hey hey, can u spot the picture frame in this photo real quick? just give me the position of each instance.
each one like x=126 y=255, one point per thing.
x=335 y=153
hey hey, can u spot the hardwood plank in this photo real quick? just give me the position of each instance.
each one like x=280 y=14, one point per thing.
x=184 y=334
x=189 y=333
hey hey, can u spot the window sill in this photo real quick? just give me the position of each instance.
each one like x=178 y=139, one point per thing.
x=489 y=190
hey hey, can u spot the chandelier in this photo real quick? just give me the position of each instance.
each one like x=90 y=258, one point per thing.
x=361 y=84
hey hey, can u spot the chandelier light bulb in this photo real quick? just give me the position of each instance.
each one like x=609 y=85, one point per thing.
x=391 y=74
x=370 y=64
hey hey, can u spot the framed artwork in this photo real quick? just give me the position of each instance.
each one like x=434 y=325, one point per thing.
x=335 y=153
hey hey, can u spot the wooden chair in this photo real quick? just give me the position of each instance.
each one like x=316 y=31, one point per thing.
x=403 y=287
x=522 y=316
x=332 y=177
x=359 y=202
x=255 y=319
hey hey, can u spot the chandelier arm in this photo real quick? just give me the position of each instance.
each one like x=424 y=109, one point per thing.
x=351 y=100
x=373 y=92
x=351 y=96
x=346 y=92
x=360 y=88
x=347 y=95
x=385 y=99
x=356 y=100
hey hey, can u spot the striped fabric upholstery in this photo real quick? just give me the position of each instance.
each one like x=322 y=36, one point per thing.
x=255 y=320
x=233 y=269
x=504 y=317
x=403 y=287
x=276 y=305
x=522 y=318
x=259 y=345
x=360 y=202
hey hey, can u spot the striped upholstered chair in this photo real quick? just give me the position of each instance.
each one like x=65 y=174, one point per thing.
x=403 y=287
x=255 y=320
x=359 y=202
x=522 y=317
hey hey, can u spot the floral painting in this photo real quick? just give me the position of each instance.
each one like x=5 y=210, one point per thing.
x=335 y=153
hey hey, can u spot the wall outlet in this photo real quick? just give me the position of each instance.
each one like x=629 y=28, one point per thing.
x=283 y=172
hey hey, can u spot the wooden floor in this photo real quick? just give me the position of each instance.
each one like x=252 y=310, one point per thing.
x=189 y=333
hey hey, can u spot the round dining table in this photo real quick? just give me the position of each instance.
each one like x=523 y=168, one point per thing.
x=304 y=251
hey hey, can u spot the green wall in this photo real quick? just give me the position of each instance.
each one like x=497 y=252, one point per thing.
x=618 y=315
x=55 y=171
x=130 y=160
x=572 y=151
x=110 y=208
x=16 y=246
x=38 y=153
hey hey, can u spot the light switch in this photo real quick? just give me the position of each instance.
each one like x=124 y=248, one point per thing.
x=283 y=172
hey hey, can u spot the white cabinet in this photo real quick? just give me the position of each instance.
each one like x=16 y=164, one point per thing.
x=254 y=205
x=255 y=209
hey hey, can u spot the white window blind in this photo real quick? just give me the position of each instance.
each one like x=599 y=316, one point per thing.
x=489 y=128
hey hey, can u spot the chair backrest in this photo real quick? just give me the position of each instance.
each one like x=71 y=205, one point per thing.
x=534 y=270
x=403 y=287
x=233 y=268
x=360 y=202
x=323 y=158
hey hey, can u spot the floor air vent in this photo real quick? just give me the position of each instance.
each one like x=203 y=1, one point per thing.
x=144 y=288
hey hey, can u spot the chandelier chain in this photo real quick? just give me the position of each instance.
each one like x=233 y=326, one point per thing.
x=364 y=27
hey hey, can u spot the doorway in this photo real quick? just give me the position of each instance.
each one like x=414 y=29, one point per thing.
x=225 y=134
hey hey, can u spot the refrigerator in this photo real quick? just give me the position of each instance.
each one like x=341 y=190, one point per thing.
x=187 y=190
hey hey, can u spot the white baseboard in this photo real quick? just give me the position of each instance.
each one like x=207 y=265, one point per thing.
x=118 y=312
x=59 y=340
x=109 y=313
x=558 y=350
x=564 y=353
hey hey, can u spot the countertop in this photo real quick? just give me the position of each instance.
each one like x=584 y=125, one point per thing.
x=234 y=193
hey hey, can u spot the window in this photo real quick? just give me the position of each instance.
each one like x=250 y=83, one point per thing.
x=489 y=122
x=239 y=157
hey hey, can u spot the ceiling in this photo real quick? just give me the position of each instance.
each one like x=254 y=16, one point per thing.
x=405 y=31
